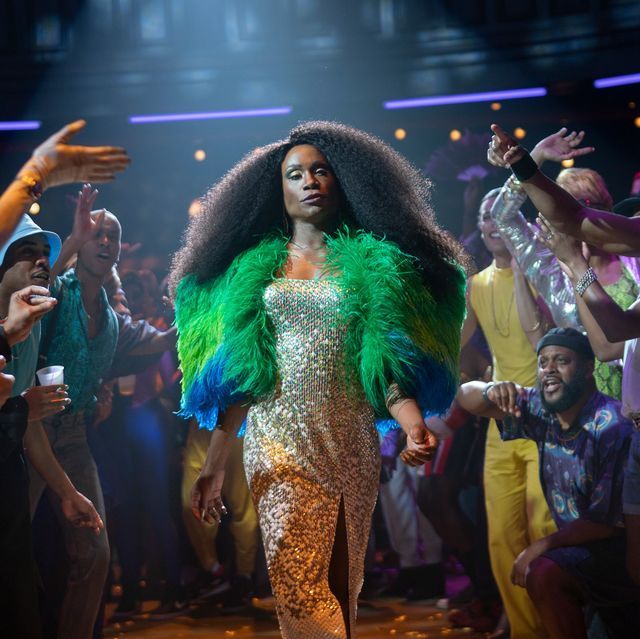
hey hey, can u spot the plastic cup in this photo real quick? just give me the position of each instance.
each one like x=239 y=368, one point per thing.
x=50 y=375
x=127 y=385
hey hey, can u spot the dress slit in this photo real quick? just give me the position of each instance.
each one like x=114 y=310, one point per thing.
x=339 y=577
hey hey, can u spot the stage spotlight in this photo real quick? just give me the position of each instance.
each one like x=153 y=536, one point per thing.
x=400 y=134
x=34 y=209
x=454 y=135
x=200 y=155
x=637 y=122
x=567 y=164
x=496 y=106
x=519 y=133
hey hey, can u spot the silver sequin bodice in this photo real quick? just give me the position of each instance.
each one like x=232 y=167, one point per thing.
x=307 y=447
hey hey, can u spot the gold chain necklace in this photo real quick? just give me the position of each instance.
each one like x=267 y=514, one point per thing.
x=506 y=333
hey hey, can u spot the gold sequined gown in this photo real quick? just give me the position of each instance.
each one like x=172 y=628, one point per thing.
x=309 y=446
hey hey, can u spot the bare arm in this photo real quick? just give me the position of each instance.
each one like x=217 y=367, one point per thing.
x=606 y=323
x=613 y=233
x=603 y=349
x=470 y=397
x=53 y=163
x=39 y=451
x=575 y=533
x=158 y=343
x=85 y=225
x=75 y=506
x=470 y=321
x=421 y=442
x=533 y=317
x=617 y=325
x=206 y=494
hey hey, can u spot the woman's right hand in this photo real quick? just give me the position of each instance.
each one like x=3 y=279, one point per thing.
x=206 y=497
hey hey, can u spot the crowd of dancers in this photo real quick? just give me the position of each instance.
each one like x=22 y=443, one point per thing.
x=326 y=346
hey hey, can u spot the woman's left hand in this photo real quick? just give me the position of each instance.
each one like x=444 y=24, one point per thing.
x=421 y=445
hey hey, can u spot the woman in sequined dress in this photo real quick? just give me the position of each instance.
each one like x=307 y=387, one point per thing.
x=298 y=319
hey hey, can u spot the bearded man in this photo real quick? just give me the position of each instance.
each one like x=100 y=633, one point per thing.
x=583 y=441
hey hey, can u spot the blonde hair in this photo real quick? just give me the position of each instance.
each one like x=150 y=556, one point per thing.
x=587 y=186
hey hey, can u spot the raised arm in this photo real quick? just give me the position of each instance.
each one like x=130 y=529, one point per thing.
x=534 y=317
x=85 y=224
x=613 y=233
x=53 y=163
x=616 y=324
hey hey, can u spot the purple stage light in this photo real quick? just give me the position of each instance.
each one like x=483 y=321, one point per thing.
x=463 y=98
x=20 y=125
x=208 y=115
x=616 y=81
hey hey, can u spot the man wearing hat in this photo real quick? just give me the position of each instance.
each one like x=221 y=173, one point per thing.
x=24 y=298
x=583 y=440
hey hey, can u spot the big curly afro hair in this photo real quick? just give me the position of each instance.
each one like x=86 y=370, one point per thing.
x=382 y=193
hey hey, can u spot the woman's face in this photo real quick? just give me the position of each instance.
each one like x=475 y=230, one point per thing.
x=311 y=191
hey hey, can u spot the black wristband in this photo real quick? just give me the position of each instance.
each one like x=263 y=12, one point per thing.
x=525 y=168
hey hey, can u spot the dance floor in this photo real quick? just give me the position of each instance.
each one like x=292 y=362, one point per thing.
x=379 y=618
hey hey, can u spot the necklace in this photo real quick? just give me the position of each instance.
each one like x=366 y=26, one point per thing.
x=502 y=333
x=305 y=248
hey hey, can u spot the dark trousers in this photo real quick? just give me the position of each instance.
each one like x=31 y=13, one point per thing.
x=19 y=612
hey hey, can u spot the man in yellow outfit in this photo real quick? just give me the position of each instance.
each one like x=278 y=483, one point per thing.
x=516 y=508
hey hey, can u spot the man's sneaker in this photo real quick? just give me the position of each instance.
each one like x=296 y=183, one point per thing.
x=230 y=601
x=167 y=610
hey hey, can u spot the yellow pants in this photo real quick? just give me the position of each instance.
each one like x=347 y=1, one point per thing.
x=518 y=514
x=235 y=492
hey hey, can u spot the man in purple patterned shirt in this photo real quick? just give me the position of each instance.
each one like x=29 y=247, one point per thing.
x=583 y=440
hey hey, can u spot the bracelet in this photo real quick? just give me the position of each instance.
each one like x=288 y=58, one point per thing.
x=585 y=281
x=525 y=168
x=536 y=326
x=485 y=392
x=394 y=395
x=33 y=184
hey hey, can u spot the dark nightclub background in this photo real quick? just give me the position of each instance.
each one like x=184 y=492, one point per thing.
x=109 y=60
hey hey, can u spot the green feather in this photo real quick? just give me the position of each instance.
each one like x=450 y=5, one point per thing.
x=387 y=301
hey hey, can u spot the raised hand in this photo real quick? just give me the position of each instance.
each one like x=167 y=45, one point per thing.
x=503 y=149
x=560 y=146
x=421 y=445
x=567 y=249
x=85 y=224
x=81 y=512
x=206 y=497
x=26 y=307
x=58 y=162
